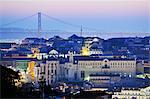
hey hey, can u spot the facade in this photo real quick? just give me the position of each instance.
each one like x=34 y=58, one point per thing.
x=45 y=55
x=147 y=67
x=49 y=70
x=95 y=48
x=30 y=70
x=143 y=93
x=140 y=68
x=104 y=79
x=94 y=65
x=81 y=67
x=7 y=62
x=22 y=65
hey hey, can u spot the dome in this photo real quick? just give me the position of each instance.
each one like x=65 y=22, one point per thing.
x=53 y=52
x=94 y=46
x=95 y=40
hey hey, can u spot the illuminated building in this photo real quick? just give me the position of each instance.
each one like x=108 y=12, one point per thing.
x=92 y=45
x=81 y=67
x=95 y=48
x=85 y=51
x=35 y=51
x=22 y=64
x=104 y=79
x=143 y=93
x=30 y=70
x=45 y=55
x=50 y=70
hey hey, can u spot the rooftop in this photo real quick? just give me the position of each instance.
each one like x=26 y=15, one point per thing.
x=88 y=58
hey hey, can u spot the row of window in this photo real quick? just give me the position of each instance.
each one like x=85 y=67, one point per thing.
x=52 y=70
x=52 y=64
x=129 y=94
x=50 y=82
x=95 y=63
x=122 y=63
x=131 y=66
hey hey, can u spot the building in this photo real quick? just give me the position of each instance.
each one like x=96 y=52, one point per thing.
x=30 y=70
x=7 y=46
x=90 y=65
x=104 y=79
x=140 y=68
x=81 y=67
x=147 y=67
x=49 y=70
x=143 y=93
x=95 y=48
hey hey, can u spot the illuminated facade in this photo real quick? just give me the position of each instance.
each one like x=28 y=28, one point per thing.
x=143 y=93
x=30 y=70
x=85 y=51
x=50 y=70
x=81 y=67
x=22 y=65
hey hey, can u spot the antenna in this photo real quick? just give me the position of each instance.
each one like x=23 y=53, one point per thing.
x=81 y=31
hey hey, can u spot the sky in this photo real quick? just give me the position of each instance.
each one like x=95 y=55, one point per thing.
x=128 y=16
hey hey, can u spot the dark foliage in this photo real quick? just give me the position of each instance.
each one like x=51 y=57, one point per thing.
x=8 y=88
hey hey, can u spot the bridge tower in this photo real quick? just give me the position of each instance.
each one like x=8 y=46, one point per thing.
x=39 y=24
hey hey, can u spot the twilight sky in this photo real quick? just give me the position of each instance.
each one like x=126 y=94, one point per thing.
x=102 y=15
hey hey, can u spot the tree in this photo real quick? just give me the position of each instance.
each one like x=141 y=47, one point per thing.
x=8 y=88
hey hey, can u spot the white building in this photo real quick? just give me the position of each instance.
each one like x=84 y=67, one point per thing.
x=49 y=70
x=143 y=93
x=95 y=48
x=81 y=67
x=45 y=55
x=90 y=65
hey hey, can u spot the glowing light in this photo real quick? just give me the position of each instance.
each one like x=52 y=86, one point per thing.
x=32 y=55
x=85 y=51
x=87 y=78
x=35 y=50
x=31 y=69
x=143 y=76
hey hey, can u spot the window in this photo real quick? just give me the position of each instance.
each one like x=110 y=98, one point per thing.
x=82 y=74
x=44 y=68
x=48 y=81
x=37 y=71
x=75 y=75
x=55 y=72
x=51 y=81
x=67 y=71
x=48 y=71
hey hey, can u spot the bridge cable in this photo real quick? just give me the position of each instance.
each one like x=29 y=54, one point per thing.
x=17 y=21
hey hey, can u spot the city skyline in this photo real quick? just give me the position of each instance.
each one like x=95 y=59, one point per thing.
x=91 y=49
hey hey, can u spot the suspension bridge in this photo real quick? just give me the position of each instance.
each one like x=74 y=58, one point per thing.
x=40 y=29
